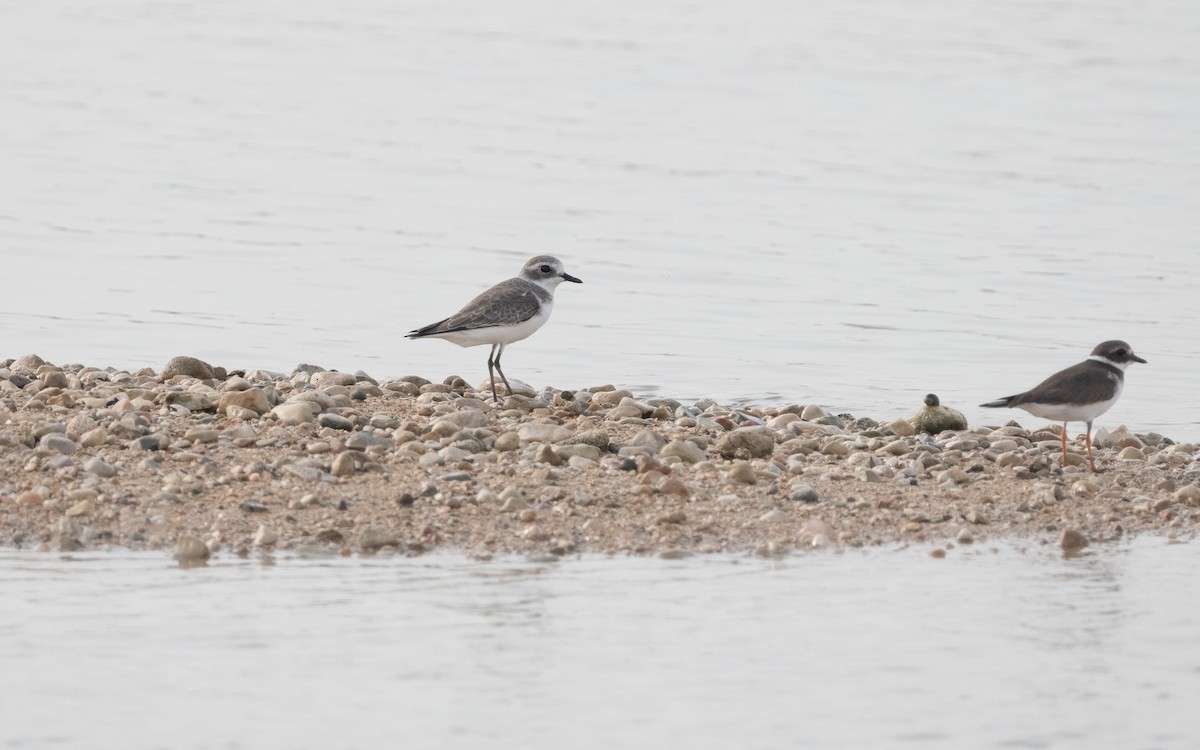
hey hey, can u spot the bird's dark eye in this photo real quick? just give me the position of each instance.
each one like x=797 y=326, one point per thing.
x=1120 y=352
x=545 y=268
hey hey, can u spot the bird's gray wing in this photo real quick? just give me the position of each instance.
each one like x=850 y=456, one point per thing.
x=1063 y=387
x=509 y=303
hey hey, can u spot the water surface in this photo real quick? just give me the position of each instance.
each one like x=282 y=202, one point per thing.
x=994 y=646
x=852 y=203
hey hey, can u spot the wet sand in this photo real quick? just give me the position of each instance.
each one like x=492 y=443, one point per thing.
x=199 y=461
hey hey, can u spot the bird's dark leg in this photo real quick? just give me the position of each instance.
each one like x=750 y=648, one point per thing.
x=1091 y=460
x=502 y=376
x=494 y=362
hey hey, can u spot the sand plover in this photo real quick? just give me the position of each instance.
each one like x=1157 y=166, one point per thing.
x=508 y=312
x=1079 y=393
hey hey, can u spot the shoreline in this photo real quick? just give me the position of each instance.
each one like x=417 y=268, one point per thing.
x=197 y=461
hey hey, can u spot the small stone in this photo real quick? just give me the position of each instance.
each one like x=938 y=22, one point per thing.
x=190 y=549
x=512 y=499
x=507 y=441
x=1131 y=454
x=1072 y=539
x=903 y=428
x=265 y=537
x=59 y=443
x=188 y=367
x=330 y=536
x=674 y=554
x=976 y=516
x=747 y=442
x=599 y=439
x=546 y=455
x=201 y=435
x=309 y=473
x=577 y=450
x=812 y=412
x=94 y=438
x=194 y=402
x=296 y=412
x=148 y=443
x=237 y=383
x=534 y=432
x=241 y=412
x=685 y=450
x=953 y=475
x=674 y=517
x=99 y=467
x=648 y=439
x=327 y=378
x=672 y=485
x=384 y=422
x=628 y=408
x=609 y=398
x=802 y=492
x=965 y=536
x=345 y=464
x=937 y=552
x=773 y=516
x=455 y=476
x=367 y=439
x=466 y=419
x=335 y=422
x=836 y=447
x=1009 y=458
x=1189 y=494
x=253 y=507
x=375 y=538
x=253 y=399
x=29 y=363
x=81 y=508
x=741 y=473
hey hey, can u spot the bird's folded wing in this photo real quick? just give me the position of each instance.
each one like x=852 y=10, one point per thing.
x=509 y=303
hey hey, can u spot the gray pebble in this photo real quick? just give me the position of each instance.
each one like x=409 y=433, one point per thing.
x=747 y=442
x=335 y=421
x=802 y=492
x=188 y=367
x=190 y=549
x=365 y=439
x=685 y=450
x=58 y=443
x=99 y=467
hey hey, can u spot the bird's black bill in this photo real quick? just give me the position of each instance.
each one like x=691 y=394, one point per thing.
x=1136 y=358
x=569 y=277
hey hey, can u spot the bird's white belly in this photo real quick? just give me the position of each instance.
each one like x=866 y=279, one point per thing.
x=1070 y=412
x=500 y=334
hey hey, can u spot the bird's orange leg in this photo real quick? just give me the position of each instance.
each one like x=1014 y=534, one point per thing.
x=1064 y=444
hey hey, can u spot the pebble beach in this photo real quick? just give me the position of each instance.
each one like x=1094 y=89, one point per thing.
x=197 y=461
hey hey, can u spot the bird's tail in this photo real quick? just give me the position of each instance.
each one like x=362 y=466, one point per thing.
x=430 y=330
x=1000 y=402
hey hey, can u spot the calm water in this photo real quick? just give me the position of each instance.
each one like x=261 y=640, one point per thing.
x=1004 y=648
x=851 y=203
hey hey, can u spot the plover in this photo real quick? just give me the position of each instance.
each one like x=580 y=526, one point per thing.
x=1079 y=393
x=935 y=417
x=508 y=312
